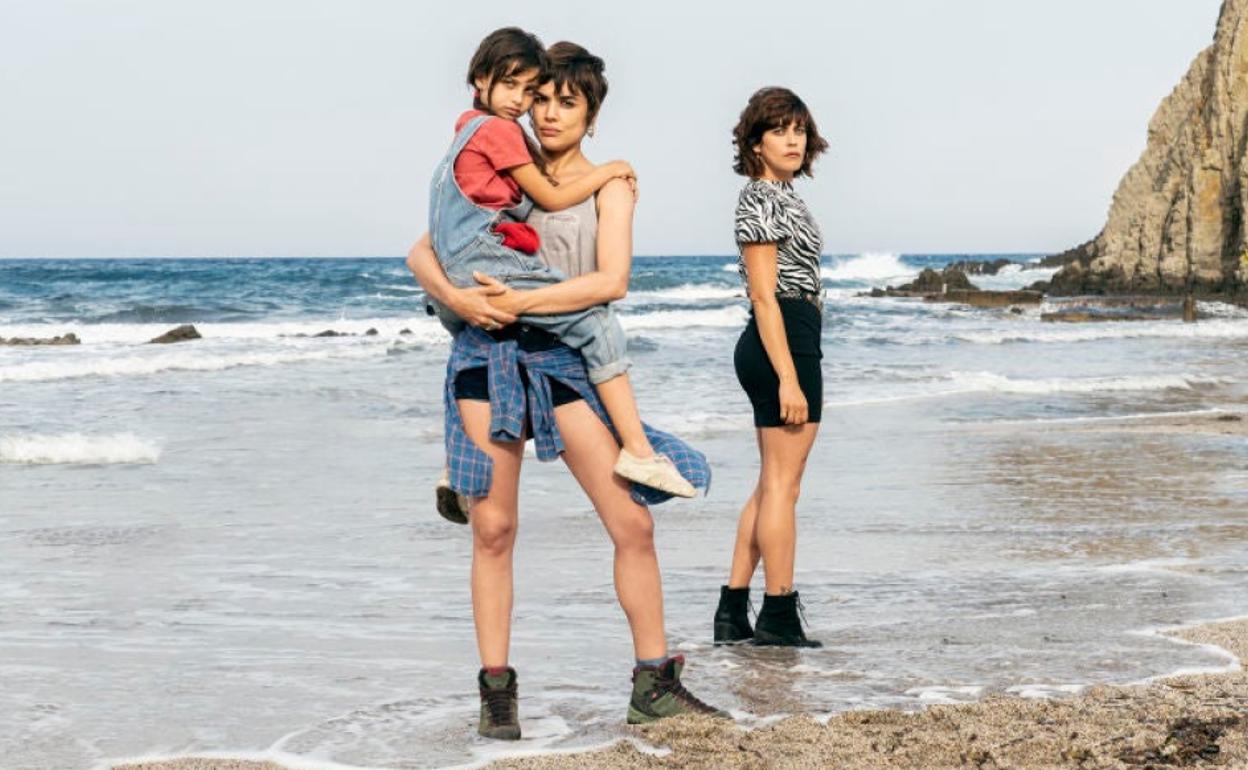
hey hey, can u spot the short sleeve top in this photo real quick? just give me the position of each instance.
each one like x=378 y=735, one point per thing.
x=497 y=145
x=772 y=212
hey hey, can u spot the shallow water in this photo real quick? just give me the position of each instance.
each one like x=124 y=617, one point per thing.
x=228 y=545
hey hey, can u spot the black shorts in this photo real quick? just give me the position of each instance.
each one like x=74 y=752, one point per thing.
x=474 y=384
x=803 y=325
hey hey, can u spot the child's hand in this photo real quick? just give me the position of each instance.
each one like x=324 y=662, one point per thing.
x=621 y=169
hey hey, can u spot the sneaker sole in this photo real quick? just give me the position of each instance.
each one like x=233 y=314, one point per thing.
x=636 y=717
x=687 y=492
x=449 y=507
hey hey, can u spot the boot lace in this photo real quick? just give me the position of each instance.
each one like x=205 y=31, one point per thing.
x=676 y=688
x=801 y=613
x=499 y=701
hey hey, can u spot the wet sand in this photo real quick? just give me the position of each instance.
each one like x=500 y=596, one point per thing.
x=1181 y=721
x=1217 y=424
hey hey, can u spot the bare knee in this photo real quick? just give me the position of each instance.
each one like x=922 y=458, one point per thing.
x=636 y=533
x=784 y=487
x=493 y=534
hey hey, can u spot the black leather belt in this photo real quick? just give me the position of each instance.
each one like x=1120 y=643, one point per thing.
x=814 y=298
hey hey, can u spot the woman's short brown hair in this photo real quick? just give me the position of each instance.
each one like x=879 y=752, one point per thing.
x=582 y=72
x=770 y=108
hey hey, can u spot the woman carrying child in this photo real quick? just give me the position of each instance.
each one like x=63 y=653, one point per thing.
x=507 y=384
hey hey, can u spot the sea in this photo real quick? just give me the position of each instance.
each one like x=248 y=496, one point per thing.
x=228 y=547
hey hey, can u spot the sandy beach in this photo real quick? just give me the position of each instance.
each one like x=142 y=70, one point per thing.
x=1179 y=721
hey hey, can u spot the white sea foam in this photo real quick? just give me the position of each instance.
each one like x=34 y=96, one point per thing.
x=1108 y=330
x=423 y=328
x=76 y=449
x=690 y=292
x=868 y=267
x=189 y=360
x=997 y=383
x=1038 y=691
x=683 y=319
x=945 y=695
x=292 y=761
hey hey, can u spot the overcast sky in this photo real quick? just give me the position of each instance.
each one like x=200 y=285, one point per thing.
x=308 y=128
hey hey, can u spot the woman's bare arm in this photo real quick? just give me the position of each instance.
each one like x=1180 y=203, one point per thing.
x=606 y=284
x=760 y=267
x=472 y=304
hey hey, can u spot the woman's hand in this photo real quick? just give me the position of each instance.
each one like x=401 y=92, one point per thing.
x=793 y=407
x=501 y=297
x=475 y=306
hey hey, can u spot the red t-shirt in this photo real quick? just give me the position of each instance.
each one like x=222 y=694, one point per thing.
x=497 y=146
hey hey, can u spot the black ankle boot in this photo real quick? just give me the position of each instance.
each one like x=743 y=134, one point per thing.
x=732 y=617
x=780 y=623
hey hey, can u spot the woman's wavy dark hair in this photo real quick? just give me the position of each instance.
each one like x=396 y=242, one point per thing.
x=504 y=52
x=770 y=108
x=582 y=72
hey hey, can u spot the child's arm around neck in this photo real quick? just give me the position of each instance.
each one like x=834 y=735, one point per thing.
x=553 y=197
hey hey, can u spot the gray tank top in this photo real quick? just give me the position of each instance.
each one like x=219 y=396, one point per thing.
x=569 y=238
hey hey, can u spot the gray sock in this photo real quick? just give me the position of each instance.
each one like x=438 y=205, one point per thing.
x=655 y=662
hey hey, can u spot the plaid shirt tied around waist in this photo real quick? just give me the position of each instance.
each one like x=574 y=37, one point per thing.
x=471 y=469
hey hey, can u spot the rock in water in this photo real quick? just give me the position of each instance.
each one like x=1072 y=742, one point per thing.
x=64 y=339
x=179 y=334
x=1177 y=219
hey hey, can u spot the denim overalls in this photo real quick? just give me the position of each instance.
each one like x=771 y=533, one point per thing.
x=464 y=240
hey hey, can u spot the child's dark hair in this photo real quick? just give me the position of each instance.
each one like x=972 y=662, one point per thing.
x=772 y=108
x=582 y=72
x=505 y=52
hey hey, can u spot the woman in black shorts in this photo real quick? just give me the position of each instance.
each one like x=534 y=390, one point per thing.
x=777 y=358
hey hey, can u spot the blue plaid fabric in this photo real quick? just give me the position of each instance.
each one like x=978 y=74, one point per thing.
x=471 y=469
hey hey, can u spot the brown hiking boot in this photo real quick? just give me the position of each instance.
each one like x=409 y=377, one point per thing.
x=499 y=708
x=658 y=694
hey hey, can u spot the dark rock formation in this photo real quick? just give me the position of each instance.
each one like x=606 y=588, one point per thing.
x=978 y=298
x=64 y=339
x=928 y=282
x=980 y=266
x=178 y=334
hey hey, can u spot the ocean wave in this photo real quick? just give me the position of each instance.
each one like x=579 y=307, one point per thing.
x=684 y=319
x=690 y=292
x=76 y=449
x=181 y=361
x=978 y=382
x=867 y=268
x=1212 y=329
x=422 y=328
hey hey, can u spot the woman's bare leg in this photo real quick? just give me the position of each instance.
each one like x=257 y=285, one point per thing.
x=494 y=519
x=590 y=452
x=745 y=553
x=784 y=452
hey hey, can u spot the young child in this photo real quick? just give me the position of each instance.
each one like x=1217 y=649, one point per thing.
x=477 y=208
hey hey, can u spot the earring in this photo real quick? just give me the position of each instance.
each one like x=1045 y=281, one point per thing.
x=590 y=131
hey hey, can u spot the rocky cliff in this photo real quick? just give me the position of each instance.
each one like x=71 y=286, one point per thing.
x=1177 y=221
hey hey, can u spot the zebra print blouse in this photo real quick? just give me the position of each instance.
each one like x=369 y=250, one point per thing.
x=772 y=212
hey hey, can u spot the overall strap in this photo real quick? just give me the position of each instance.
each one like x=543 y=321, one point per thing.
x=465 y=135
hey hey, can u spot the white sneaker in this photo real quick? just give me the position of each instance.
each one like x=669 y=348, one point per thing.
x=450 y=504
x=658 y=472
